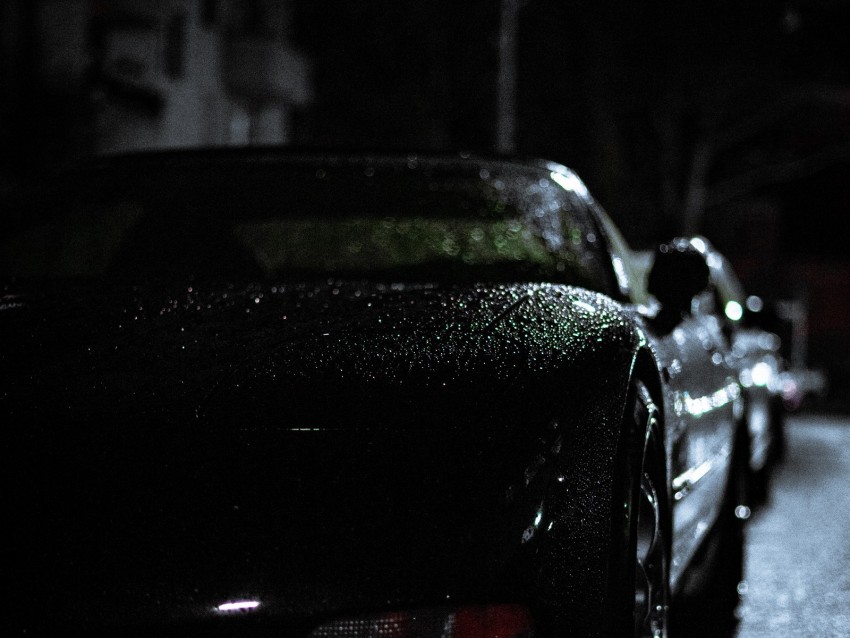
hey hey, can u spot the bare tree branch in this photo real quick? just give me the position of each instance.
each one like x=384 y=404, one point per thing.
x=739 y=185
x=700 y=196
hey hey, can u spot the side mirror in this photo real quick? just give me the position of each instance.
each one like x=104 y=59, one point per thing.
x=678 y=274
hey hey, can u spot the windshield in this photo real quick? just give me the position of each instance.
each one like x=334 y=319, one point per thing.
x=278 y=217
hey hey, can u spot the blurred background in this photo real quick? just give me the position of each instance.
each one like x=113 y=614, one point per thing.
x=727 y=119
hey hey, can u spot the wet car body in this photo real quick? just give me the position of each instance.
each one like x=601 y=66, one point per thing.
x=334 y=446
x=756 y=355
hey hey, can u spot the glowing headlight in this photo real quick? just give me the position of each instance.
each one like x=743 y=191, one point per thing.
x=761 y=373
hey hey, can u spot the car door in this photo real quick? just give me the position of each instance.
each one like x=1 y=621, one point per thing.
x=701 y=414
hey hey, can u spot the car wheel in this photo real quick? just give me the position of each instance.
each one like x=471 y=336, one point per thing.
x=640 y=591
x=652 y=546
x=652 y=524
x=623 y=589
x=761 y=428
x=777 y=423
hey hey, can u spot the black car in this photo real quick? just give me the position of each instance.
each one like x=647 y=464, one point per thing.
x=264 y=393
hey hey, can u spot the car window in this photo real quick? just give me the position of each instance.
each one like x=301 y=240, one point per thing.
x=628 y=272
x=296 y=218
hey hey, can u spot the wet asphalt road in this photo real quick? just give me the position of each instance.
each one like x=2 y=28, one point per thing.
x=798 y=546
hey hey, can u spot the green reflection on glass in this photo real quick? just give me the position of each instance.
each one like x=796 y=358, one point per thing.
x=365 y=244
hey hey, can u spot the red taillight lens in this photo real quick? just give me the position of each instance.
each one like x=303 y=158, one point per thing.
x=493 y=621
x=498 y=621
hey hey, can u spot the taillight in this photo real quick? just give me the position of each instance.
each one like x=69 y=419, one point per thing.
x=499 y=621
x=493 y=621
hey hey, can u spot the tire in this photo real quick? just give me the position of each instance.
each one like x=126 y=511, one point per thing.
x=777 y=422
x=645 y=596
x=620 y=586
x=758 y=478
